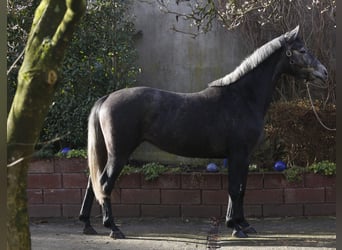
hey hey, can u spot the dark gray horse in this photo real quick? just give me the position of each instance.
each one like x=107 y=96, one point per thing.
x=224 y=120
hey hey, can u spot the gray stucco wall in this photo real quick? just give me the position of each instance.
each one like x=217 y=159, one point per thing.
x=174 y=61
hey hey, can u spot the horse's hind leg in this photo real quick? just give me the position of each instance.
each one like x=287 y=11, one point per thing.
x=108 y=177
x=86 y=209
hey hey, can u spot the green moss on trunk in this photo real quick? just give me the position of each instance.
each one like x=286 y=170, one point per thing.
x=37 y=81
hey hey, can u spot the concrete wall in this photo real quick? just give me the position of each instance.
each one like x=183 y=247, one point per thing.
x=174 y=61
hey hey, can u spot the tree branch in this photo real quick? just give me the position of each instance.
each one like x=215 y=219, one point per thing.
x=63 y=34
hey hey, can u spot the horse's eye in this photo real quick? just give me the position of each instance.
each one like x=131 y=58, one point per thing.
x=302 y=51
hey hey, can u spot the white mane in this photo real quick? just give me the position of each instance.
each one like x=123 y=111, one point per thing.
x=257 y=57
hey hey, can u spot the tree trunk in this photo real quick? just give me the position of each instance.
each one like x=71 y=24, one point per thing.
x=52 y=28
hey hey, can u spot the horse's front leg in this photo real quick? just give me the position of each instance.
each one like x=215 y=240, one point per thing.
x=86 y=209
x=243 y=224
x=237 y=181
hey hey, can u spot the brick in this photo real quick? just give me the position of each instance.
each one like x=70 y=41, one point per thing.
x=129 y=181
x=264 y=196
x=137 y=196
x=166 y=181
x=115 y=196
x=126 y=210
x=204 y=211
x=252 y=210
x=74 y=180
x=201 y=180
x=41 y=166
x=272 y=180
x=320 y=209
x=255 y=181
x=304 y=195
x=214 y=197
x=69 y=210
x=224 y=179
x=160 y=210
x=63 y=196
x=330 y=194
x=180 y=196
x=278 y=180
x=34 y=196
x=317 y=180
x=73 y=210
x=74 y=165
x=44 y=181
x=211 y=181
x=44 y=210
x=249 y=210
x=282 y=210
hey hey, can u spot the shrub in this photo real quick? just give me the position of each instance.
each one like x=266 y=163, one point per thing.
x=293 y=134
x=100 y=60
x=294 y=174
x=323 y=167
x=153 y=170
x=72 y=153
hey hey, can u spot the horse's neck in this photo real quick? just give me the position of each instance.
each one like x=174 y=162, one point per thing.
x=259 y=84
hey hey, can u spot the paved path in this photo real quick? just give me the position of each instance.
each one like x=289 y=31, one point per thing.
x=175 y=233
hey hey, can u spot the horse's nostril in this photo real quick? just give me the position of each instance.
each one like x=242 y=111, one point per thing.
x=323 y=70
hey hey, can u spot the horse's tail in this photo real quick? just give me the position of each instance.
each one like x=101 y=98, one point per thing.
x=97 y=151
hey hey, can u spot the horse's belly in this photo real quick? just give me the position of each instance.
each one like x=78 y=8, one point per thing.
x=194 y=147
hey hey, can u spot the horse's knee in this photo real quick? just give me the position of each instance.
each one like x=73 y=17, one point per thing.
x=236 y=191
x=107 y=187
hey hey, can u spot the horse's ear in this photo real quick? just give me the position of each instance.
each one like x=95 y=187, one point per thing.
x=291 y=35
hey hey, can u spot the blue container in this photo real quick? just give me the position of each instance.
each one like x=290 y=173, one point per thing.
x=225 y=163
x=212 y=167
x=65 y=150
x=279 y=166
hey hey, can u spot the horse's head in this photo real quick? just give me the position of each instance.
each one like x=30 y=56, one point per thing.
x=301 y=62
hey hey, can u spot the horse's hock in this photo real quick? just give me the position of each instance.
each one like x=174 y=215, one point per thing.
x=56 y=188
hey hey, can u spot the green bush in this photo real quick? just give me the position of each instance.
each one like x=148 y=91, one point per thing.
x=323 y=167
x=153 y=170
x=73 y=153
x=100 y=60
x=294 y=174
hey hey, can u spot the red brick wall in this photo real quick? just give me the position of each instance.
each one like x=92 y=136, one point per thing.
x=56 y=188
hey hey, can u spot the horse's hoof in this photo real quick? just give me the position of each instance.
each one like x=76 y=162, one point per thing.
x=117 y=235
x=249 y=230
x=239 y=234
x=89 y=230
x=246 y=228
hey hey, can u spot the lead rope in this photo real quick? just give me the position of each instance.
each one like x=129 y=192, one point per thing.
x=314 y=110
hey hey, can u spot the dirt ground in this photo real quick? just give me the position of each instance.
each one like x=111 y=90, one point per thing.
x=177 y=233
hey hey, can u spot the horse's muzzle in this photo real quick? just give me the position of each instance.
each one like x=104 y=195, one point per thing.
x=320 y=73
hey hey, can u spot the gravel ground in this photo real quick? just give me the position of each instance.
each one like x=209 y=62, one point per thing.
x=176 y=233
